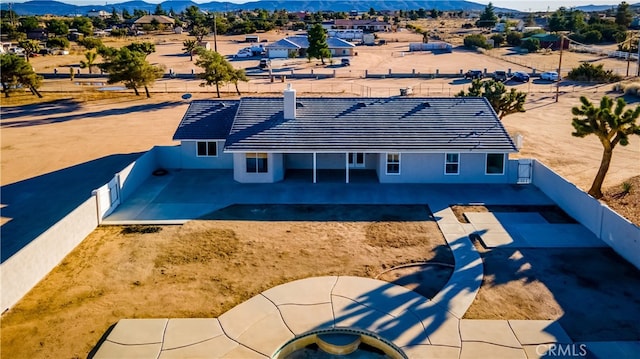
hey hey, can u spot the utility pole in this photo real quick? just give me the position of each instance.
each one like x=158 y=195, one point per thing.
x=628 y=41
x=215 y=33
x=559 y=67
x=638 y=73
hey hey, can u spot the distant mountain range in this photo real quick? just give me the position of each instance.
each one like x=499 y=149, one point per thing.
x=43 y=7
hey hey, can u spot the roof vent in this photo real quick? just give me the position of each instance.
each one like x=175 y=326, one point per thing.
x=362 y=104
x=479 y=112
x=426 y=104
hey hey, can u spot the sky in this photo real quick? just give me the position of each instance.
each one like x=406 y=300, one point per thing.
x=522 y=5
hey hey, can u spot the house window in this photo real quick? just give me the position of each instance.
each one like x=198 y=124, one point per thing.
x=257 y=163
x=452 y=164
x=207 y=149
x=393 y=163
x=495 y=163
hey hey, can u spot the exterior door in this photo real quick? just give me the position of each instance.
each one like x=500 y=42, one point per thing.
x=524 y=171
x=356 y=160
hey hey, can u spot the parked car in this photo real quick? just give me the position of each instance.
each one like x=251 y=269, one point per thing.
x=550 y=76
x=242 y=53
x=265 y=63
x=520 y=76
x=345 y=62
x=473 y=74
x=500 y=76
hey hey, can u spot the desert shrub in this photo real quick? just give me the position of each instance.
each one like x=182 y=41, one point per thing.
x=632 y=89
x=119 y=32
x=498 y=40
x=514 y=38
x=467 y=26
x=532 y=45
x=592 y=37
x=58 y=43
x=476 y=40
x=592 y=73
x=618 y=87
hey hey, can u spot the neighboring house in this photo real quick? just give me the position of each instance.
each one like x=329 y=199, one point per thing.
x=99 y=13
x=296 y=46
x=38 y=34
x=396 y=140
x=149 y=19
x=549 y=41
x=370 y=25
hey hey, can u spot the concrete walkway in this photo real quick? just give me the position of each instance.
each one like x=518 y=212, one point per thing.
x=259 y=327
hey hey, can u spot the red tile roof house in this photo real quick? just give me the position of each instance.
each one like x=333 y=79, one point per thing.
x=392 y=140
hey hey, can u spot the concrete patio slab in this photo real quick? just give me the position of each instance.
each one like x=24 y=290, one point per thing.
x=488 y=331
x=520 y=218
x=138 y=331
x=558 y=236
x=182 y=332
x=605 y=350
x=241 y=317
x=351 y=314
x=303 y=318
x=442 y=328
x=265 y=334
x=431 y=351
x=531 y=332
x=110 y=350
x=377 y=294
x=306 y=291
x=545 y=351
x=212 y=348
x=477 y=350
x=241 y=352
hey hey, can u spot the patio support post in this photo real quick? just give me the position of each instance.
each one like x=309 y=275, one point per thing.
x=314 y=168
x=346 y=167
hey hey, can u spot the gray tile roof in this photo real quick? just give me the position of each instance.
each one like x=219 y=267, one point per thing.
x=301 y=42
x=207 y=120
x=402 y=124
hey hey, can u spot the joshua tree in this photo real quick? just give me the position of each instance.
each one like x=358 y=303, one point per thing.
x=90 y=62
x=612 y=126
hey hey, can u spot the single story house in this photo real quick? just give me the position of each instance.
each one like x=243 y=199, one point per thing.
x=149 y=19
x=296 y=46
x=389 y=140
x=367 y=25
x=549 y=41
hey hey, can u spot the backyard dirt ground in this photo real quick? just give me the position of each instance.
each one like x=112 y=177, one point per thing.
x=205 y=267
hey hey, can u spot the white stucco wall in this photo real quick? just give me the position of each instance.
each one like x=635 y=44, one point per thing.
x=430 y=168
x=190 y=160
x=25 y=269
x=275 y=169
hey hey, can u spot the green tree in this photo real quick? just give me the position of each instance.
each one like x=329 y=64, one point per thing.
x=237 y=75
x=624 y=16
x=514 y=38
x=30 y=47
x=146 y=48
x=476 y=40
x=498 y=39
x=83 y=25
x=58 y=43
x=216 y=69
x=159 y=10
x=503 y=102
x=372 y=11
x=16 y=72
x=199 y=32
x=90 y=57
x=125 y=14
x=530 y=44
x=194 y=16
x=488 y=17
x=131 y=68
x=29 y=23
x=318 y=47
x=58 y=27
x=90 y=43
x=189 y=47
x=611 y=125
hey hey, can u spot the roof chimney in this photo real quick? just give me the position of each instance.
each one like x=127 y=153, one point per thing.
x=289 y=103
